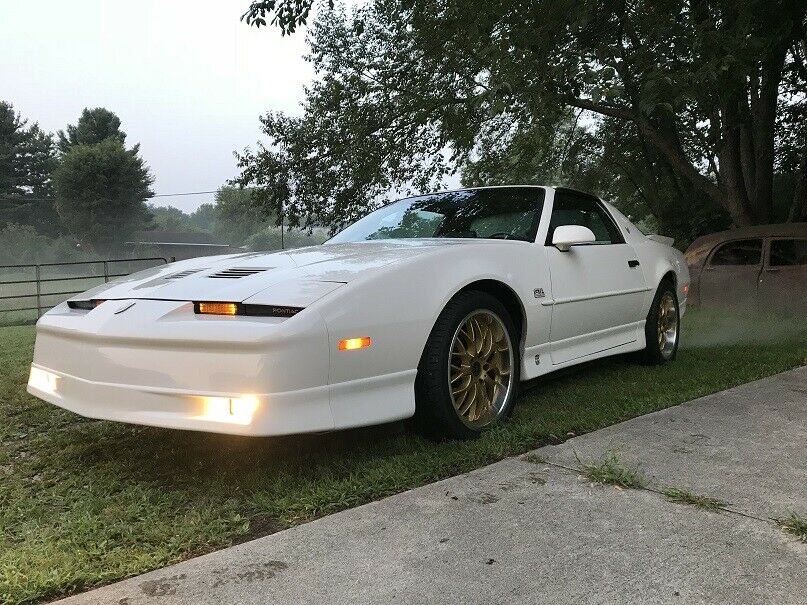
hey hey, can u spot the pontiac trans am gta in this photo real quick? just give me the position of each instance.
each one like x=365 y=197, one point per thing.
x=434 y=307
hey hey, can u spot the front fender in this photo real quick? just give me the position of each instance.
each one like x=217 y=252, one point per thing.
x=398 y=307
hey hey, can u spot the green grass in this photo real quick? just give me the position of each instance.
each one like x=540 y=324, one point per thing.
x=86 y=502
x=794 y=524
x=682 y=496
x=610 y=470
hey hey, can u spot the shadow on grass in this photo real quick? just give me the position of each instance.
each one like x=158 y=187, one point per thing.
x=178 y=459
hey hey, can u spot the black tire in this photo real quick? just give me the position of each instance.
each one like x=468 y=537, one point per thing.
x=435 y=415
x=656 y=353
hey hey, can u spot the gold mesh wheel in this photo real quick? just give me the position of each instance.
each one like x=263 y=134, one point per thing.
x=480 y=369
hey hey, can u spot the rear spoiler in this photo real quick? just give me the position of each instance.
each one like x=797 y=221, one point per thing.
x=661 y=239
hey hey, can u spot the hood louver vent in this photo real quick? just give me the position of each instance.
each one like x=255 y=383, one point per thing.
x=182 y=274
x=238 y=272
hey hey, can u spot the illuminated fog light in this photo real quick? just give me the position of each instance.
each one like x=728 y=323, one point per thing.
x=351 y=344
x=43 y=380
x=235 y=410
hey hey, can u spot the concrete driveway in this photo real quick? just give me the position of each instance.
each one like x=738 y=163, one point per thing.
x=533 y=530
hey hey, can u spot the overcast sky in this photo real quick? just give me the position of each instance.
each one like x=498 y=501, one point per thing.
x=186 y=77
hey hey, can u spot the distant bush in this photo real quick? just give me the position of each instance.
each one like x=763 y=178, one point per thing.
x=269 y=238
x=22 y=244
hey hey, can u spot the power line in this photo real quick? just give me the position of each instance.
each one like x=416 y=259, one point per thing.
x=184 y=193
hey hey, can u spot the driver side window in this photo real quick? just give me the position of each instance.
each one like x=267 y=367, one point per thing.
x=585 y=212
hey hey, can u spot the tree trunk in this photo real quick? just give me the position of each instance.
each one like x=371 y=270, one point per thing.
x=747 y=148
x=798 y=209
x=763 y=116
x=746 y=151
x=731 y=176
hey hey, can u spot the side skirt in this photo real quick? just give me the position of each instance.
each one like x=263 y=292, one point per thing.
x=546 y=358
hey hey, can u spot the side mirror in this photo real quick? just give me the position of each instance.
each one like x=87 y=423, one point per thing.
x=566 y=236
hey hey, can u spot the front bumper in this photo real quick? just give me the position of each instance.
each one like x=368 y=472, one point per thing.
x=300 y=411
x=158 y=364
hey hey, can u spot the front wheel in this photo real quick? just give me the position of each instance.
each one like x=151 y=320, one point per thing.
x=468 y=376
x=663 y=326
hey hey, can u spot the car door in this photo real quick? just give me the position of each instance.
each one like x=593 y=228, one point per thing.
x=731 y=274
x=597 y=289
x=783 y=281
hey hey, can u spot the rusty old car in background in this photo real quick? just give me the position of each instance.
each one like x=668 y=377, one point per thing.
x=761 y=268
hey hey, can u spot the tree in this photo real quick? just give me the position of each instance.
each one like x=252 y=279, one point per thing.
x=101 y=191
x=27 y=161
x=406 y=90
x=237 y=215
x=286 y=14
x=553 y=149
x=204 y=218
x=169 y=218
x=101 y=186
x=12 y=136
x=605 y=158
x=791 y=149
x=271 y=238
x=93 y=126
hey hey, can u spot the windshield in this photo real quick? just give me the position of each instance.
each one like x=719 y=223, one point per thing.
x=495 y=213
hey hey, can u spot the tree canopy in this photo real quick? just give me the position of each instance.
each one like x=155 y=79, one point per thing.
x=27 y=160
x=286 y=14
x=93 y=126
x=101 y=191
x=101 y=186
x=690 y=109
x=237 y=218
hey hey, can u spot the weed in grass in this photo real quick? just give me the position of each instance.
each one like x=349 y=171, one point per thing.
x=794 y=524
x=610 y=470
x=682 y=496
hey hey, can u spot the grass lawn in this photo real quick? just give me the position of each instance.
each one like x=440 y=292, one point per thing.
x=86 y=502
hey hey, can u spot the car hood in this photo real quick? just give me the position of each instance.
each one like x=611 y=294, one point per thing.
x=297 y=276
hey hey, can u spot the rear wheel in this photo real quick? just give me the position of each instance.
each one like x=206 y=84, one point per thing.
x=663 y=326
x=468 y=376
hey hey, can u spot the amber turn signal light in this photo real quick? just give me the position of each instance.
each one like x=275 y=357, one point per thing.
x=351 y=344
x=234 y=308
x=217 y=308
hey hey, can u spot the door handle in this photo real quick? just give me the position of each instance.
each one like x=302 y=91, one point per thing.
x=633 y=263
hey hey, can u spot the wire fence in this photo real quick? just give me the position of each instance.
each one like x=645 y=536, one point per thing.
x=27 y=290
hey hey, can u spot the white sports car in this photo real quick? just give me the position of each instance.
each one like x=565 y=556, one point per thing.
x=434 y=306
